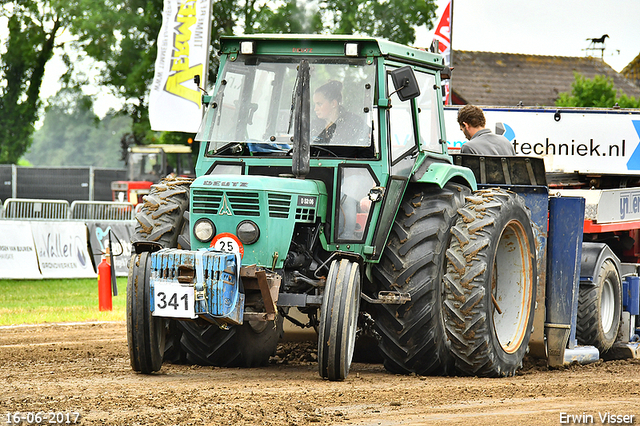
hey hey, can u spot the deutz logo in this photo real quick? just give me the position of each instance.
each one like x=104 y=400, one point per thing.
x=225 y=208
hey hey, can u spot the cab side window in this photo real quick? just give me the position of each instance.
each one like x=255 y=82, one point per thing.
x=401 y=129
x=428 y=112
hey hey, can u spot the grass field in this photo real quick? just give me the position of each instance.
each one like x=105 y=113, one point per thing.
x=63 y=300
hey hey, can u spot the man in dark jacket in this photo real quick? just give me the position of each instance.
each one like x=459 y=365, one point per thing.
x=481 y=140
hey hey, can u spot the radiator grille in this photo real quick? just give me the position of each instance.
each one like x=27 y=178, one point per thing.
x=212 y=201
x=279 y=205
x=305 y=214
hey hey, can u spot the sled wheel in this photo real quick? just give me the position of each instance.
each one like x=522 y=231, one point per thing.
x=145 y=333
x=339 y=320
x=599 y=309
x=413 y=338
x=490 y=284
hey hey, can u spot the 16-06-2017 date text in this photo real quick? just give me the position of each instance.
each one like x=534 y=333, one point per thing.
x=41 y=418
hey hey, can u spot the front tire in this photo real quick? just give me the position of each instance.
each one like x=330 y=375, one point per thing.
x=161 y=221
x=146 y=334
x=490 y=284
x=339 y=320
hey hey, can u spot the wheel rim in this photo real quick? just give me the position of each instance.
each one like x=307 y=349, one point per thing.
x=607 y=306
x=512 y=287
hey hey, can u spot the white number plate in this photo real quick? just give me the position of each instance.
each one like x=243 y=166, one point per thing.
x=173 y=301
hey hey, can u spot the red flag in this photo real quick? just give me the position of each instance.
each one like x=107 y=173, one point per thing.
x=443 y=33
x=443 y=36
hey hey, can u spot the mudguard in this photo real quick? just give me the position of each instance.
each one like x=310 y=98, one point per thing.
x=593 y=254
x=442 y=172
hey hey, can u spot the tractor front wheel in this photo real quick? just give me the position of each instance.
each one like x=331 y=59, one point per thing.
x=339 y=320
x=146 y=334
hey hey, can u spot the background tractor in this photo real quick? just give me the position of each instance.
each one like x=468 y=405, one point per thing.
x=147 y=165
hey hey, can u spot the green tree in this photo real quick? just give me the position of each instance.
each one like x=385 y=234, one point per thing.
x=290 y=17
x=72 y=135
x=32 y=31
x=596 y=92
x=391 y=19
x=122 y=34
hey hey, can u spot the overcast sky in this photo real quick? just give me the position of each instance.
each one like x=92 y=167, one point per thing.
x=546 y=27
x=541 y=27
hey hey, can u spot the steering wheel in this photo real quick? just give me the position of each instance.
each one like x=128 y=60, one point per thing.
x=319 y=148
x=327 y=150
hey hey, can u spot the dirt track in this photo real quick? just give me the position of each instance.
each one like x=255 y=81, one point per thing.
x=85 y=368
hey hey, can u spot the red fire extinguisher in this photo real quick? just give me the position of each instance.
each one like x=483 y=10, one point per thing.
x=104 y=284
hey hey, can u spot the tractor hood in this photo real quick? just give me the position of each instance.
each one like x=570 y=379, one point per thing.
x=255 y=215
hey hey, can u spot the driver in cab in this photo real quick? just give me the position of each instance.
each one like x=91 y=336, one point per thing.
x=335 y=126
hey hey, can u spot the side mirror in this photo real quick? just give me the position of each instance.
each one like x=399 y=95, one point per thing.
x=196 y=79
x=405 y=83
x=445 y=74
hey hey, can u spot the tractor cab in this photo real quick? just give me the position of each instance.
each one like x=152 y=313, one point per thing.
x=340 y=111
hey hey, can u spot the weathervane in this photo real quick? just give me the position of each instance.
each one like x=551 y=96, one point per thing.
x=597 y=44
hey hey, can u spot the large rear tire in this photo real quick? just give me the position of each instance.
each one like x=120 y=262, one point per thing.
x=339 y=320
x=247 y=345
x=413 y=336
x=599 y=308
x=490 y=284
x=161 y=218
x=146 y=334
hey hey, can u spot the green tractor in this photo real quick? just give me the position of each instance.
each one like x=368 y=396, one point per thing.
x=324 y=184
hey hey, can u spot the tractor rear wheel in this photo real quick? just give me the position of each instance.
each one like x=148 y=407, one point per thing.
x=247 y=345
x=599 y=308
x=413 y=336
x=339 y=320
x=161 y=218
x=490 y=284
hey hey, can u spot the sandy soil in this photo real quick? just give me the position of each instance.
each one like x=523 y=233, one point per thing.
x=84 y=368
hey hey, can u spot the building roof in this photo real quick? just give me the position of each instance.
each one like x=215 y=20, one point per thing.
x=505 y=79
x=632 y=71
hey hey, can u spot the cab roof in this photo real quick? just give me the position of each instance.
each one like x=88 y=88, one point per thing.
x=328 y=45
x=169 y=149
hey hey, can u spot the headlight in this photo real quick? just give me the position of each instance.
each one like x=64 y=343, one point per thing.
x=204 y=230
x=247 y=232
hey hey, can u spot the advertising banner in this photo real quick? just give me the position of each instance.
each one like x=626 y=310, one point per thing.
x=569 y=140
x=175 y=103
x=18 y=256
x=120 y=243
x=62 y=249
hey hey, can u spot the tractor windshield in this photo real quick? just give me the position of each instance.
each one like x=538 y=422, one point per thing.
x=253 y=112
x=145 y=166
